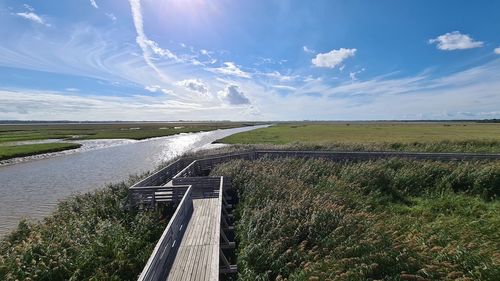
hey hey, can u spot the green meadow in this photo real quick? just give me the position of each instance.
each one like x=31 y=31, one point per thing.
x=399 y=136
x=10 y=134
x=11 y=151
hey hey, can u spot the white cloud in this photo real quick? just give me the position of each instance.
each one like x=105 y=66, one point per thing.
x=353 y=75
x=284 y=87
x=278 y=76
x=143 y=41
x=94 y=4
x=158 y=88
x=31 y=16
x=307 y=50
x=497 y=51
x=333 y=58
x=194 y=85
x=230 y=68
x=153 y=88
x=455 y=41
x=233 y=95
x=111 y=16
x=28 y=7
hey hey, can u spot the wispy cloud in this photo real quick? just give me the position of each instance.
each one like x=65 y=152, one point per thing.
x=31 y=16
x=307 y=50
x=284 y=87
x=144 y=43
x=41 y=105
x=111 y=16
x=230 y=68
x=497 y=51
x=353 y=74
x=28 y=7
x=333 y=58
x=455 y=41
x=94 y=4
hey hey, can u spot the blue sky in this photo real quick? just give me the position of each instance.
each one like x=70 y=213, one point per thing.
x=249 y=60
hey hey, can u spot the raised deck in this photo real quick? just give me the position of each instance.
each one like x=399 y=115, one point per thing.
x=195 y=243
x=198 y=255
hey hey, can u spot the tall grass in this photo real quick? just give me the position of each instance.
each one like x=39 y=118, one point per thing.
x=88 y=237
x=387 y=219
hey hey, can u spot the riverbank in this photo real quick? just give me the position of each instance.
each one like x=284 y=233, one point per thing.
x=13 y=136
x=32 y=188
x=378 y=136
x=13 y=151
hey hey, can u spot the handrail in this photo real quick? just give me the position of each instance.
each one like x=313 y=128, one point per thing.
x=215 y=254
x=155 y=266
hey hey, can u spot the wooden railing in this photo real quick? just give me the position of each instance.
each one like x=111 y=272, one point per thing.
x=188 y=181
x=155 y=267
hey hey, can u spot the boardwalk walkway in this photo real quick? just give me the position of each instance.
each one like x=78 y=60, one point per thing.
x=198 y=254
x=197 y=241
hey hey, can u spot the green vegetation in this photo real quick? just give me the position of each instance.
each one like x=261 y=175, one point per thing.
x=388 y=219
x=398 y=136
x=11 y=133
x=88 y=237
x=11 y=151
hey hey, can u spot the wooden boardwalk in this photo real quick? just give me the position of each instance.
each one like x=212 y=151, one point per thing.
x=198 y=255
x=195 y=243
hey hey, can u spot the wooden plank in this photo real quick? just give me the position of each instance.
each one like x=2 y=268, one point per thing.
x=194 y=260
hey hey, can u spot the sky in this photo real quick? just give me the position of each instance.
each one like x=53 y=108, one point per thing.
x=171 y=60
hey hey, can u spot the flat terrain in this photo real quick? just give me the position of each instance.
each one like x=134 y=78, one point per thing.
x=11 y=134
x=432 y=137
x=137 y=131
x=11 y=151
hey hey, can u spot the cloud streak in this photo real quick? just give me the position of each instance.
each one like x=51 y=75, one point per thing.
x=231 y=69
x=94 y=4
x=144 y=43
x=31 y=16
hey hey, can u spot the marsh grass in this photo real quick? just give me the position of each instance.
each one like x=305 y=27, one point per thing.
x=378 y=136
x=11 y=151
x=137 y=130
x=387 y=219
x=88 y=237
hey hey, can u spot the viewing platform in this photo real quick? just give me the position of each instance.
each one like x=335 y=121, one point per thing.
x=198 y=242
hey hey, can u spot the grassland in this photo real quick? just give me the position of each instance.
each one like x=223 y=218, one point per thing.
x=11 y=151
x=387 y=219
x=429 y=137
x=137 y=131
x=29 y=132
x=88 y=237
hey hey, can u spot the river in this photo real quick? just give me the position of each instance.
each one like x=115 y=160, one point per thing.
x=31 y=189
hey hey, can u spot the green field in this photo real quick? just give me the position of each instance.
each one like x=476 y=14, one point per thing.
x=28 y=132
x=431 y=137
x=380 y=220
x=11 y=151
x=137 y=131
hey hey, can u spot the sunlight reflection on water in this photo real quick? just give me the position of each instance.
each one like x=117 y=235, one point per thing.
x=32 y=189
